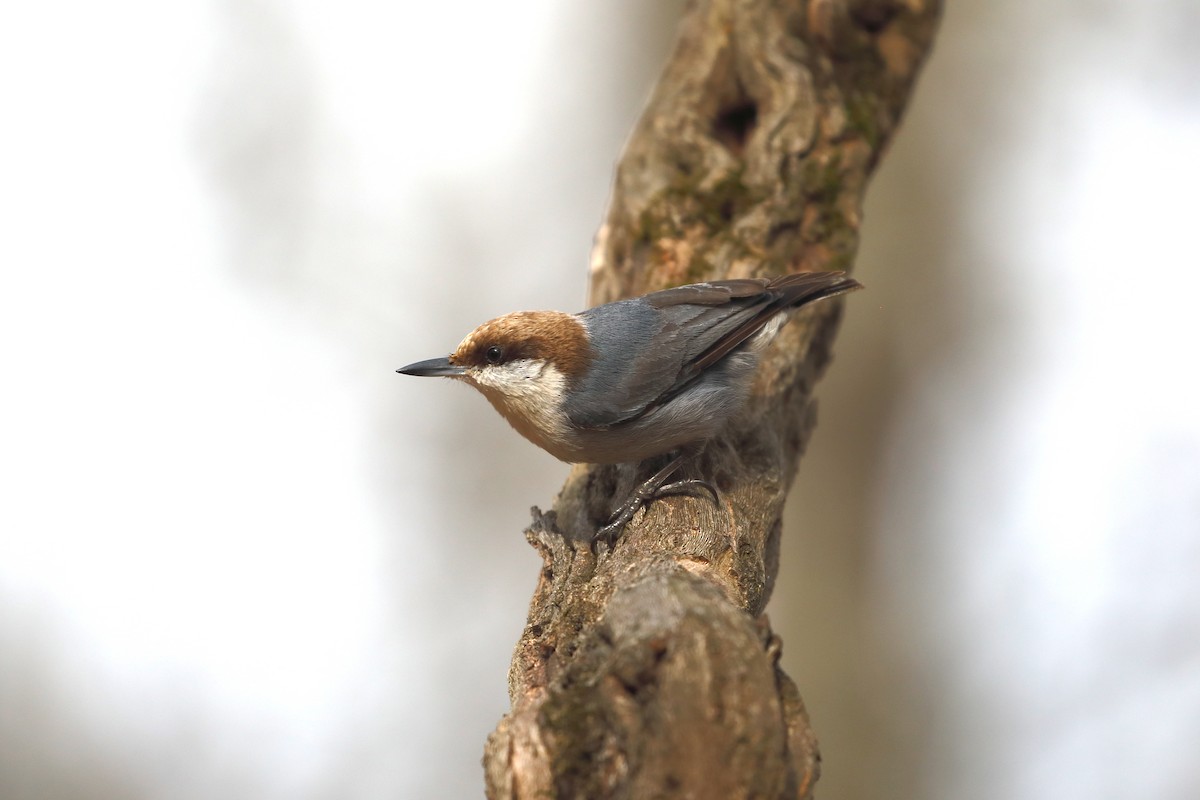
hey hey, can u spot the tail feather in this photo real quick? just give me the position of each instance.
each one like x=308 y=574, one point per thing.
x=787 y=292
x=808 y=287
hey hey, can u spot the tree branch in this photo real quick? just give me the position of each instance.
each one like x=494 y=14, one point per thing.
x=650 y=670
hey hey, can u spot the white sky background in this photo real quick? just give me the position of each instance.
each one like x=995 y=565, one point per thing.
x=241 y=558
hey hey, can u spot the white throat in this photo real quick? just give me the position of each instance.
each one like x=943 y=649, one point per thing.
x=529 y=394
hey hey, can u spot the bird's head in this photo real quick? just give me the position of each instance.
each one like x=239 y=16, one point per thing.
x=528 y=356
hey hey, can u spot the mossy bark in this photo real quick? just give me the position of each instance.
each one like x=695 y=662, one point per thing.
x=649 y=669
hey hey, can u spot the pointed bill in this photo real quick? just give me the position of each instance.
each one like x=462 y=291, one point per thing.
x=434 y=367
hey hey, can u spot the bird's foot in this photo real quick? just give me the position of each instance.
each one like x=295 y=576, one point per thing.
x=689 y=486
x=651 y=489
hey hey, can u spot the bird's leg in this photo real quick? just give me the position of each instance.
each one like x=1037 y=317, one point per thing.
x=652 y=488
x=687 y=485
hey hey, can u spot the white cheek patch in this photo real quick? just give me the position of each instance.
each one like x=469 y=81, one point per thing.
x=529 y=393
x=522 y=377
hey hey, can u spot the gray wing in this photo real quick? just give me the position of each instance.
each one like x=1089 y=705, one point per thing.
x=650 y=348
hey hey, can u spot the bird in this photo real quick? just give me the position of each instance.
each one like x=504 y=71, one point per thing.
x=633 y=379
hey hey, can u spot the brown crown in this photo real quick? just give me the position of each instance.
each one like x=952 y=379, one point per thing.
x=538 y=335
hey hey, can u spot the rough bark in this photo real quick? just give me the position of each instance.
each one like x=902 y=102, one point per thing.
x=650 y=670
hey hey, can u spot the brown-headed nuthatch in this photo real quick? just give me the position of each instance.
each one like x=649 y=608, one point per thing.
x=630 y=380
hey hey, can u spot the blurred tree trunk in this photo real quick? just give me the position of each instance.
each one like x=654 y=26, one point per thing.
x=650 y=670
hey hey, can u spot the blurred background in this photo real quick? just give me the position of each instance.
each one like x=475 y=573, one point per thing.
x=241 y=558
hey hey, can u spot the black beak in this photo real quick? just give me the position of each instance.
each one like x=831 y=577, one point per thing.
x=434 y=367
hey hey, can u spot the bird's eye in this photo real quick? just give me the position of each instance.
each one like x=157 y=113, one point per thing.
x=494 y=355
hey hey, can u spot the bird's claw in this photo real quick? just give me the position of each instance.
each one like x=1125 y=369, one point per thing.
x=645 y=494
x=609 y=533
x=687 y=487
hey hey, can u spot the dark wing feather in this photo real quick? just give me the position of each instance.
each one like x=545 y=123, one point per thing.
x=790 y=291
x=713 y=293
x=679 y=333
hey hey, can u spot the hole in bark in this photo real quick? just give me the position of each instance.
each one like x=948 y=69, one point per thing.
x=726 y=211
x=734 y=125
x=874 y=15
